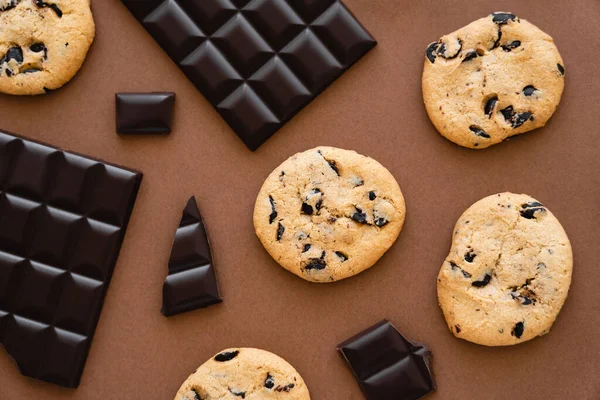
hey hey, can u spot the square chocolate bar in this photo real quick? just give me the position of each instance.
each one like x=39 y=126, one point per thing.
x=62 y=220
x=258 y=62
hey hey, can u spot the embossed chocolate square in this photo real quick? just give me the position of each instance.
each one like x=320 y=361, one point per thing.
x=144 y=113
x=258 y=62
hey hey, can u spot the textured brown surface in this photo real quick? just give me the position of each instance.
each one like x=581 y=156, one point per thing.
x=375 y=108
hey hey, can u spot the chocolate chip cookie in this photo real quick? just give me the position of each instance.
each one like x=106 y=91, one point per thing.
x=497 y=77
x=327 y=214
x=508 y=272
x=244 y=374
x=42 y=43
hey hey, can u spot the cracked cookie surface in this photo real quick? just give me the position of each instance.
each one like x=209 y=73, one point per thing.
x=42 y=43
x=327 y=214
x=497 y=77
x=244 y=373
x=508 y=272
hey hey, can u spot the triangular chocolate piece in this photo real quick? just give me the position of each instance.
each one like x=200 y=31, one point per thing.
x=191 y=282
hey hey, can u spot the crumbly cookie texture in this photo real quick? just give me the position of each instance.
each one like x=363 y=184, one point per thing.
x=244 y=373
x=497 y=77
x=508 y=272
x=327 y=214
x=42 y=43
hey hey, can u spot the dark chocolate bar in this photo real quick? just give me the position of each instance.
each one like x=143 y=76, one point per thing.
x=144 y=113
x=258 y=62
x=387 y=365
x=62 y=221
x=191 y=282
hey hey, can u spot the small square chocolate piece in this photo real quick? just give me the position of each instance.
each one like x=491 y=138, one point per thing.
x=191 y=282
x=144 y=113
x=387 y=365
x=62 y=221
x=258 y=62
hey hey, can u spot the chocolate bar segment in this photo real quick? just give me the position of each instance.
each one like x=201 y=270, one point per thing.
x=62 y=221
x=387 y=365
x=258 y=62
x=144 y=113
x=191 y=282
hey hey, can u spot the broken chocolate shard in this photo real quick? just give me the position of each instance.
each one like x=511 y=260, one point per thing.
x=479 y=132
x=191 y=282
x=52 y=200
x=144 y=113
x=387 y=365
x=484 y=282
x=226 y=356
x=258 y=63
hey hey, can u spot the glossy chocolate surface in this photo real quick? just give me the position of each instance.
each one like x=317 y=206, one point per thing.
x=144 y=113
x=259 y=63
x=191 y=282
x=387 y=365
x=62 y=220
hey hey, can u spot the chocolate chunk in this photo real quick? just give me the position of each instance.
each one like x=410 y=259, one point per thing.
x=511 y=45
x=269 y=381
x=372 y=195
x=144 y=113
x=470 y=256
x=54 y=7
x=273 y=214
x=508 y=113
x=490 y=105
x=514 y=118
x=529 y=90
x=319 y=205
x=37 y=47
x=306 y=209
x=196 y=395
x=30 y=70
x=238 y=394
x=479 y=132
x=341 y=255
x=497 y=41
x=455 y=267
x=431 y=51
x=529 y=209
x=380 y=222
x=53 y=202
x=518 y=330
x=315 y=264
x=444 y=52
x=561 y=69
x=359 y=216
x=457 y=328
x=387 y=365
x=191 y=282
x=9 y=5
x=285 y=388
x=226 y=356
x=484 y=282
x=503 y=18
x=470 y=55
x=259 y=64
x=280 y=230
x=306 y=248
x=14 y=53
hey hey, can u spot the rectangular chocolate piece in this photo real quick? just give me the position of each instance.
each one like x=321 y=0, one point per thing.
x=192 y=282
x=62 y=221
x=258 y=62
x=144 y=113
x=387 y=365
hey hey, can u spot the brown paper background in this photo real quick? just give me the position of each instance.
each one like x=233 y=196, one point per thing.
x=375 y=108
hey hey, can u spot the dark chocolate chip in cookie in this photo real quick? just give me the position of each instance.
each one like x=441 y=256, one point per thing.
x=54 y=7
x=479 y=132
x=501 y=18
x=269 y=381
x=14 y=53
x=471 y=55
x=372 y=195
x=450 y=51
x=238 y=393
x=530 y=209
x=490 y=105
x=359 y=216
x=470 y=256
x=285 y=388
x=9 y=5
x=332 y=164
x=561 y=69
x=317 y=264
x=511 y=45
x=432 y=51
x=341 y=255
x=196 y=395
x=514 y=118
x=497 y=41
x=518 y=330
x=529 y=90
x=226 y=356
x=307 y=209
x=31 y=70
x=380 y=222
x=273 y=214
x=280 y=231
x=484 y=282
x=306 y=248
x=37 y=47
